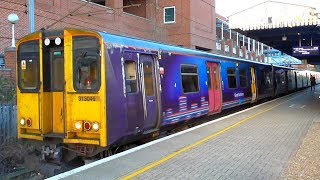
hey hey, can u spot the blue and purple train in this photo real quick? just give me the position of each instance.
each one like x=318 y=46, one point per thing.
x=84 y=93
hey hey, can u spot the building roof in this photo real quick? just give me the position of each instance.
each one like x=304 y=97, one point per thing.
x=269 y=1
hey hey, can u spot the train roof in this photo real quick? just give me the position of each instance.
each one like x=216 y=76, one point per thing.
x=156 y=46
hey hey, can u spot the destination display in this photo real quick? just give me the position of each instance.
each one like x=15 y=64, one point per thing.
x=306 y=51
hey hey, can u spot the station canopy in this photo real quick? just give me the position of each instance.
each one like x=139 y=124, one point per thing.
x=290 y=28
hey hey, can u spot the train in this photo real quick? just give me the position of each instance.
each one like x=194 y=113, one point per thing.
x=84 y=93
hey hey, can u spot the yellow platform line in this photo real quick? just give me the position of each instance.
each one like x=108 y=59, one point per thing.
x=198 y=143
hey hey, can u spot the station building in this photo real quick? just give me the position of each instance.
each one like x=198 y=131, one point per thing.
x=184 y=23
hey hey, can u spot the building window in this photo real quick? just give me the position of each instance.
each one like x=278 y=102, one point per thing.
x=135 y=7
x=189 y=76
x=203 y=49
x=232 y=82
x=243 y=78
x=169 y=14
x=131 y=76
x=100 y=2
x=2 y=64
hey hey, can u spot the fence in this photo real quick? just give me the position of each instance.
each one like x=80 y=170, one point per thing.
x=8 y=123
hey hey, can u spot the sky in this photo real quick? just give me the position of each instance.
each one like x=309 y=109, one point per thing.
x=228 y=7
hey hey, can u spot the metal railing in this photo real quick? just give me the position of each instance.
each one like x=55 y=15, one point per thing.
x=8 y=123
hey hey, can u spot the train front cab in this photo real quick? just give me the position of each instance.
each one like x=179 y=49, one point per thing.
x=60 y=95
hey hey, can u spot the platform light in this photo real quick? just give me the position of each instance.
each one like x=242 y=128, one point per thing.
x=13 y=19
x=22 y=121
x=78 y=125
x=57 y=41
x=95 y=126
x=47 y=42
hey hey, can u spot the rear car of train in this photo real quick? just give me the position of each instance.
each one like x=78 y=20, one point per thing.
x=61 y=96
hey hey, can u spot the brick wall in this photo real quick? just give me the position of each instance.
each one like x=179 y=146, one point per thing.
x=89 y=16
x=195 y=20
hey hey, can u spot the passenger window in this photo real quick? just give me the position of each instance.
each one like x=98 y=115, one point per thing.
x=189 y=76
x=209 y=77
x=86 y=55
x=232 y=82
x=148 y=78
x=131 y=76
x=243 y=78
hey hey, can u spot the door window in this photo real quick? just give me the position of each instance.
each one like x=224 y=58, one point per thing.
x=243 y=78
x=58 y=79
x=131 y=76
x=216 y=80
x=209 y=77
x=148 y=78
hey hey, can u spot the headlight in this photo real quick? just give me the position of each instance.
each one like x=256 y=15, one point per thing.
x=95 y=126
x=78 y=125
x=22 y=122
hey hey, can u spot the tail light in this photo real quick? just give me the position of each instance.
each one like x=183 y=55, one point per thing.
x=86 y=126
x=29 y=122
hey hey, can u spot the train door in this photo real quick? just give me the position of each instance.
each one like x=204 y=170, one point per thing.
x=141 y=91
x=253 y=84
x=214 y=88
x=149 y=92
x=133 y=93
x=57 y=89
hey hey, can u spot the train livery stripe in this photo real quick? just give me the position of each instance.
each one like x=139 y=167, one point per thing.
x=186 y=113
x=110 y=158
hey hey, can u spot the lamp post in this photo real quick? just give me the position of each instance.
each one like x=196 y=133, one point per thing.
x=13 y=19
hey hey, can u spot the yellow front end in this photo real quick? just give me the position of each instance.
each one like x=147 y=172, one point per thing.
x=69 y=101
x=29 y=96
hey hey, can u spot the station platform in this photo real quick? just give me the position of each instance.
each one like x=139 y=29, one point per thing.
x=256 y=143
